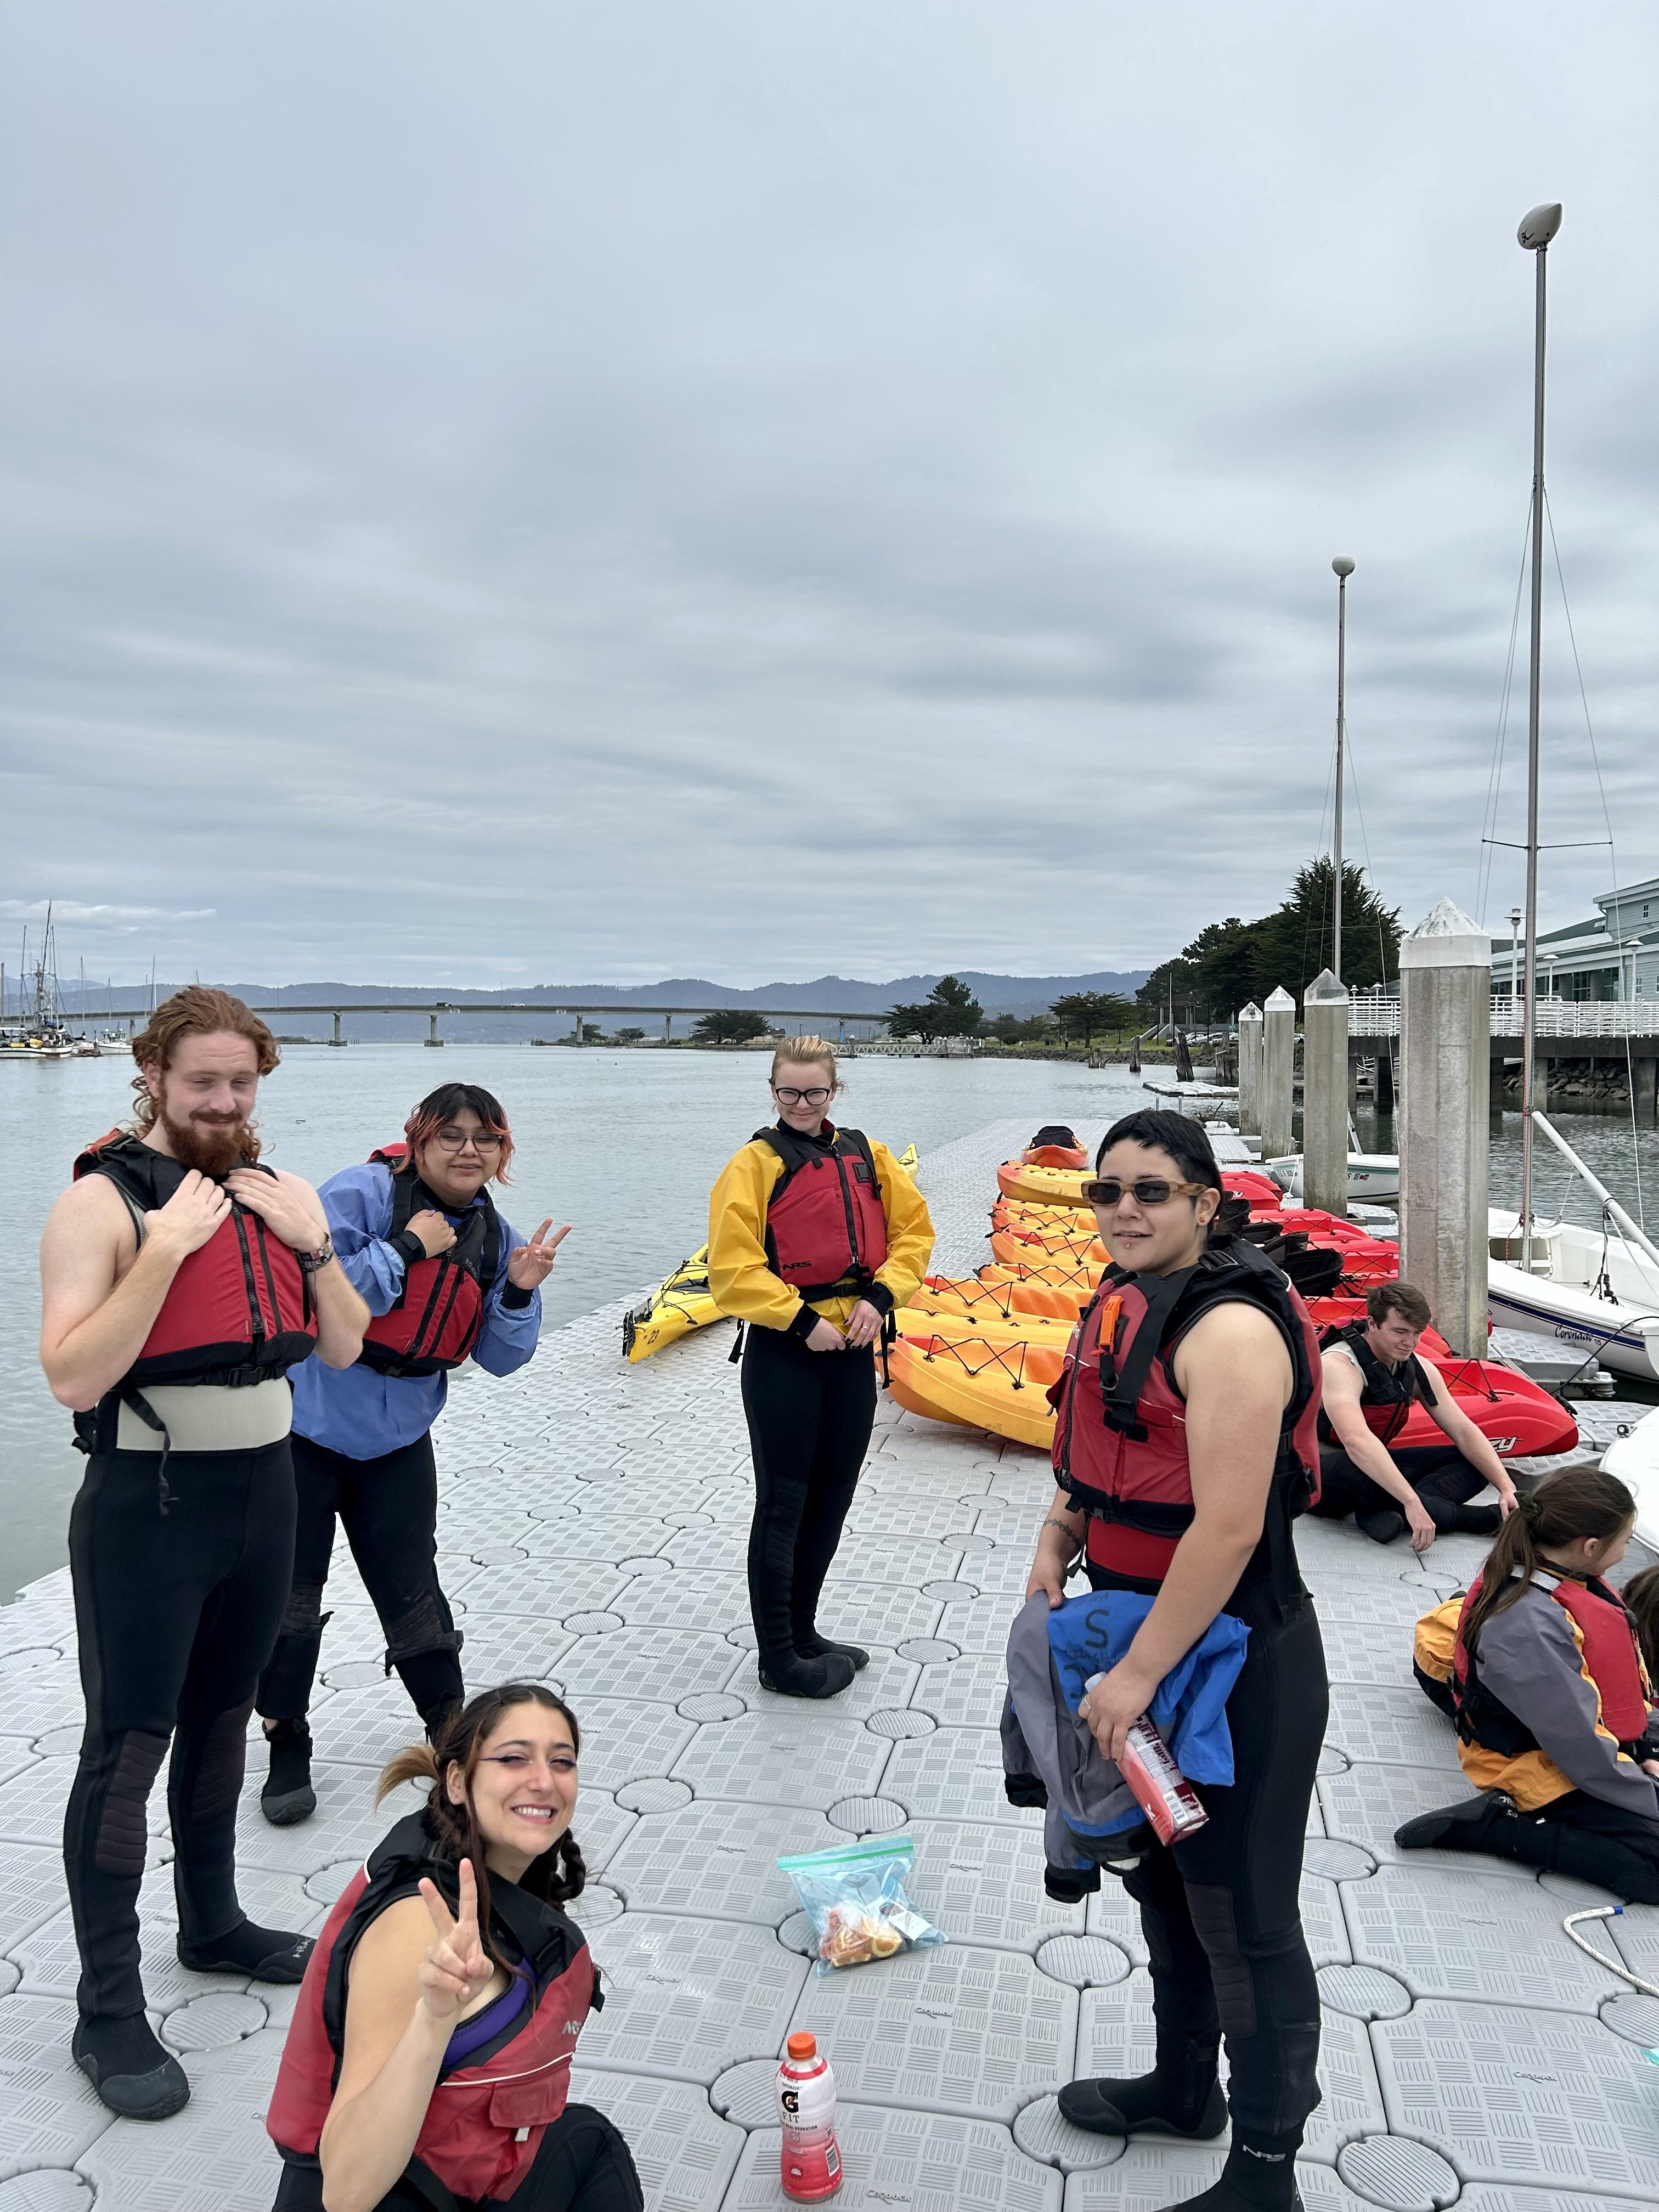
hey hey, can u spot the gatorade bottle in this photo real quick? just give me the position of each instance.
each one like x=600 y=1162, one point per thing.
x=806 y=2113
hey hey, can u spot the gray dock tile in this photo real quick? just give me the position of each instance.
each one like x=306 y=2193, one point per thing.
x=343 y=1827
x=1379 y=1602
x=30 y=1889
x=871 y=1612
x=961 y=2030
x=983 y=1625
x=965 y=1692
x=920 y=2159
x=717 y=1860
x=38 y=1700
x=893 y=1515
x=1366 y=1804
x=548 y=1588
x=645 y=1662
x=806 y=1759
x=1469 y=1934
x=1535 y=2097
x=686 y=2154
x=1379 y=1726
x=34 y=1814
x=48 y=2113
x=689 y=1998
x=705 y=1602
x=507 y=1647
x=1150 y=2175
x=956 y=1774
x=629 y=1739
x=981 y=1883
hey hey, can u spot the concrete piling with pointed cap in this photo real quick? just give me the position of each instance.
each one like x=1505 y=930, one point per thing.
x=1250 y=1069
x=1325 y=1095
x=1275 y=1097
x=1445 y=1030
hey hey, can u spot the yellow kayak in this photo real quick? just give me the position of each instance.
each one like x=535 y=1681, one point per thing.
x=972 y=1382
x=677 y=1305
x=1036 y=1186
x=987 y=1325
x=909 y=1159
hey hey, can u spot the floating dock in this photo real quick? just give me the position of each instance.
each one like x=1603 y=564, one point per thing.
x=593 y=1525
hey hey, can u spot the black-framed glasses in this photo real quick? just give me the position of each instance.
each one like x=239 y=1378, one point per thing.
x=1149 y=1191
x=457 y=1140
x=820 y=1095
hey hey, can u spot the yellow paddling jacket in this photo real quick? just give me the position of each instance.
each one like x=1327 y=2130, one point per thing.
x=741 y=1278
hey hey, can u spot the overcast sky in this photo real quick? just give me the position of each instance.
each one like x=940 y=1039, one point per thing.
x=543 y=493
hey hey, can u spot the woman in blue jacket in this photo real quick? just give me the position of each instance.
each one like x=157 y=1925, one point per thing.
x=446 y=1280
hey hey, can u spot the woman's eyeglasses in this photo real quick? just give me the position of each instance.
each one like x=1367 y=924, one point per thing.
x=817 y=1096
x=1150 y=1190
x=457 y=1140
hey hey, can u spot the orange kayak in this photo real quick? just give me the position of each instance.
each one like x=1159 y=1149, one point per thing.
x=1036 y=1247
x=1042 y=1186
x=972 y=1382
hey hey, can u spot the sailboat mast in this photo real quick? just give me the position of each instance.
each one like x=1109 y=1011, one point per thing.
x=1343 y=568
x=1534 y=235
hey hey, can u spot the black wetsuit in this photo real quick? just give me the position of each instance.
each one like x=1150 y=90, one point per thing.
x=177 y=1612
x=810 y=1416
x=583 y=2165
x=390 y=1509
x=1221 y=1911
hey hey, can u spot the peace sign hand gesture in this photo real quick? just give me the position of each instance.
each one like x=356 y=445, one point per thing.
x=455 y=1968
x=530 y=1265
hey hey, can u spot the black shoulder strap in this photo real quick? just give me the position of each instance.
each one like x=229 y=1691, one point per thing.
x=489 y=1245
x=1121 y=1388
x=857 y=1141
x=790 y=1149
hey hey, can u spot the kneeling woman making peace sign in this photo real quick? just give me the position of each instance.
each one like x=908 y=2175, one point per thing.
x=428 y=2064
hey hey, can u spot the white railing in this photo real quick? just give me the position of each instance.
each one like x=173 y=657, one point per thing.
x=1371 y=1015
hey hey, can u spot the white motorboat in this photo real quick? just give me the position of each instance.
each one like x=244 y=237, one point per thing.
x=1373 y=1177
x=1634 y=1458
x=1590 y=1289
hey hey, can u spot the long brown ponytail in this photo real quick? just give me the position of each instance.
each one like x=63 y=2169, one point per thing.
x=559 y=1873
x=1578 y=1501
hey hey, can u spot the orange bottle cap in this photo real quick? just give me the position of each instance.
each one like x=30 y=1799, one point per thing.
x=802 y=2047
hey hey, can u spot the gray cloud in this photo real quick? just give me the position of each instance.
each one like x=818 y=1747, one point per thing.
x=715 y=488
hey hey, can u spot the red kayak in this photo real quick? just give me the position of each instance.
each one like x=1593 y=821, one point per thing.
x=1508 y=1408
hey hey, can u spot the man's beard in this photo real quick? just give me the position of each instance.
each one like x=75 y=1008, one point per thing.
x=211 y=1147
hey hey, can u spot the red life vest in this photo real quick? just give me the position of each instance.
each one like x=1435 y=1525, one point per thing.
x=1611 y=1657
x=240 y=1309
x=1119 y=1443
x=439 y=1312
x=484 y=2124
x=1386 y=1393
x=826 y=1230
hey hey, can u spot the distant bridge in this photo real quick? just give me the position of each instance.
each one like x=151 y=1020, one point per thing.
x=435 y=1009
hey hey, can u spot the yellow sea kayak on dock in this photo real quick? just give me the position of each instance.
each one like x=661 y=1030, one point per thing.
x=679 y=1304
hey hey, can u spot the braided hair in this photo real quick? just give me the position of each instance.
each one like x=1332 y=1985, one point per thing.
x=559 y=1873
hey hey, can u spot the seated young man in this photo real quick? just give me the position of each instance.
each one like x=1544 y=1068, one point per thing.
x=1372 y=1380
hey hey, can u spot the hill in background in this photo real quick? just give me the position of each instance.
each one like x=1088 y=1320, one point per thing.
x=1020 y=995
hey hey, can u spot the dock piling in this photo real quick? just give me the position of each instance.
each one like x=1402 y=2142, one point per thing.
x=1250 y=1069
x=432 y=1036
x=1277 y=1080
x=1325 y=1095
x=1445 y=1136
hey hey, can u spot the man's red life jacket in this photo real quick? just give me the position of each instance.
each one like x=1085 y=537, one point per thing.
x=826 y=1230
x=484 y=2124
x=1386 y=1393
x=439 y=1312
x=240 y=1309
x=1611 y=1655
x=1119 y=1443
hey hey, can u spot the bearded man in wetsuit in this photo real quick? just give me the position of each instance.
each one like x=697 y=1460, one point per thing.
x=180 y=1279
x=1372 y=1379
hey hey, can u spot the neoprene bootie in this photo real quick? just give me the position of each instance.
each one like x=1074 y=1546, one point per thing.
x=288 y=1797
x=811 y=1645
x=1479 y=1520
x=1464 y=1826
x=1384 y=1526
x=265 y=1954
x=1250 y=2181
x=823 y=1677
x=134 y=2073
x=1182 y=2095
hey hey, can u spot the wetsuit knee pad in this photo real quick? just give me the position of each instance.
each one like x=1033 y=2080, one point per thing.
x=122 y=1829
x=303 y=1614
x=1211 y=1908
x=423 y=1627
x=216 y=1781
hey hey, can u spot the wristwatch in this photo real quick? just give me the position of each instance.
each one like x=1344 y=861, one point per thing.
x=310 y=1261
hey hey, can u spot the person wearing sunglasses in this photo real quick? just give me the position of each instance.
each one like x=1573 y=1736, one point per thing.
x=1186 y=1441
x=814 y=1235
x=446 y=1280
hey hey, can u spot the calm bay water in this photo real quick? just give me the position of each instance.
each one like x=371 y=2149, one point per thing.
x=624 y=1144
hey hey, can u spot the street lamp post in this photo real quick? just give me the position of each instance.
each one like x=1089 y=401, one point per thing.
x=1537 y=229
x=1342 y=567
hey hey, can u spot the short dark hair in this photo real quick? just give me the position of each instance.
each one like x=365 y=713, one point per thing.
x=1403 y=1298
x=1189 y=1146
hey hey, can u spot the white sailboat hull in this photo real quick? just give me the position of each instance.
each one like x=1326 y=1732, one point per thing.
x=1597 y=1294
x=1373 y=1177
x=1635 y=1460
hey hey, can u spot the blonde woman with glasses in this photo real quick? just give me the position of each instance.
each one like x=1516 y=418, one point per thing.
x=814 y=1235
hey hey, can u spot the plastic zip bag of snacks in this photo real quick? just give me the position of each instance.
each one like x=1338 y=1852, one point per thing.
x=855 y=1898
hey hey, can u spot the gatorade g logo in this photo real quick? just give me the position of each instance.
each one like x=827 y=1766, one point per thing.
x=790 y=2100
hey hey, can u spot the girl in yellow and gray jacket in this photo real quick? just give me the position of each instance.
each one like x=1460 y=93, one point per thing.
x=814 y=1235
